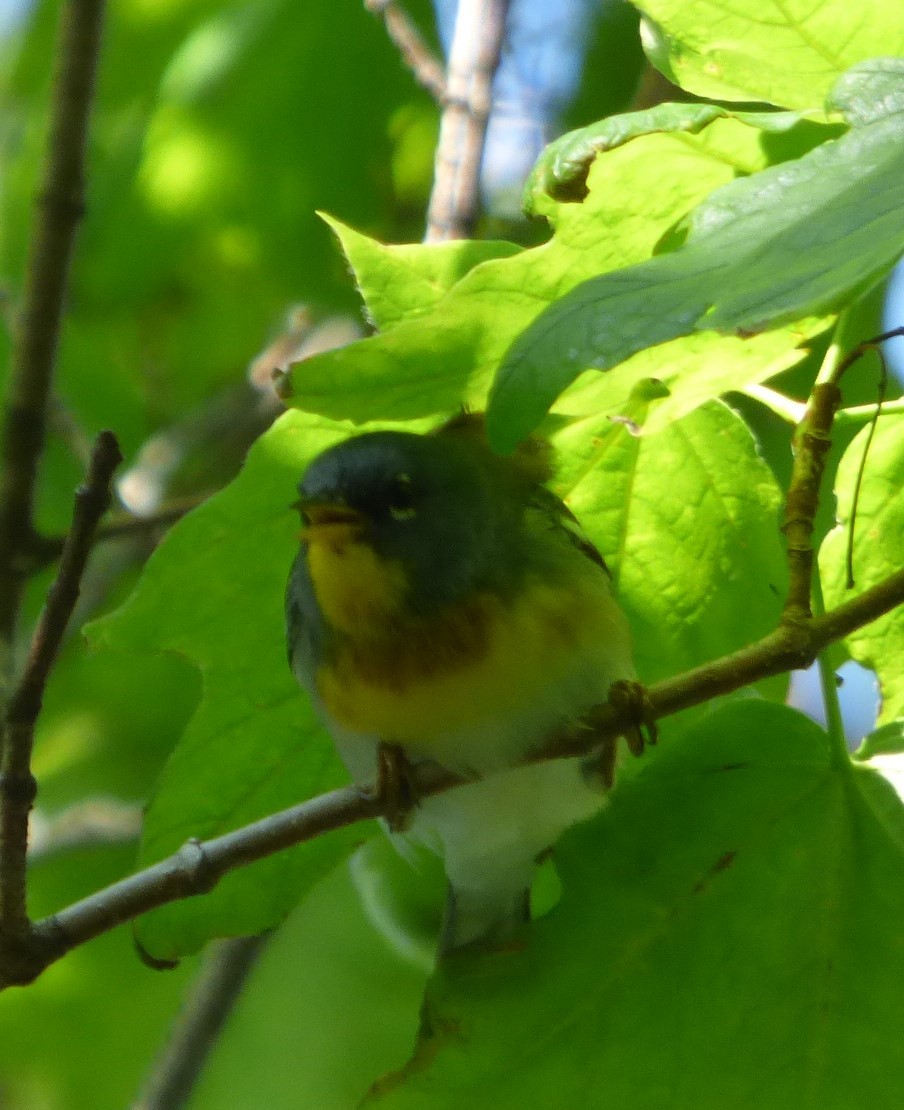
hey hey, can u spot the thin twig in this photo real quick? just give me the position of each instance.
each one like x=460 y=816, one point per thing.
x=811 y=444
x=473 y=60
x=60 y=206
x=122 y=526
x=416 y=54
x=212 y=999
x=17 y=784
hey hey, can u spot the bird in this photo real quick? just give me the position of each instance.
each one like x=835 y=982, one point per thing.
x=446 y=602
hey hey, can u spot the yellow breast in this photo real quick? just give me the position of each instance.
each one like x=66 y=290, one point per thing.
x=471 y=664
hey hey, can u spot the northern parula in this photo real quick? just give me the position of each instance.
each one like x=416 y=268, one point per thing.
x=444 y=600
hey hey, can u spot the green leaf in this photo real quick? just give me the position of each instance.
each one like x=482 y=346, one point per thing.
x=727 y=874
x=877 y=552
x=794 y=240
x=213 y=592
x=433 y=364
x=561 y=170
x=701 y=571
x=786 y=52
x=399 y=283
x=887 y=740
x=869 y=91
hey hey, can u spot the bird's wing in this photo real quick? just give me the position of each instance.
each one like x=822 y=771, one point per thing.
x=564 y=521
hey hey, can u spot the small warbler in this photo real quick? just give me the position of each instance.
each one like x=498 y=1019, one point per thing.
x=445 y=601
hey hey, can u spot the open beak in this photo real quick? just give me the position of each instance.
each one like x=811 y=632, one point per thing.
x=328 y=521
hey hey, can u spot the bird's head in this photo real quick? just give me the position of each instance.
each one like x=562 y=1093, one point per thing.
x=397 y=524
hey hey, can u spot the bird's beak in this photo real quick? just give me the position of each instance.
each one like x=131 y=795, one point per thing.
x=323 y=520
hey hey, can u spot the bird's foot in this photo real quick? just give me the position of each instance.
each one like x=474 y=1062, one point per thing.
x=396 y=787
x=632 y=697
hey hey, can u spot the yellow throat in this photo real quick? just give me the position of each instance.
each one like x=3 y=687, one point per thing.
x=358 y=592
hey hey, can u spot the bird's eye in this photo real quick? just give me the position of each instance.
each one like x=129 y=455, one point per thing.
x=400 y=498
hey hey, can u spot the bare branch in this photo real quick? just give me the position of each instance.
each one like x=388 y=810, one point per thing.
x=811 y=445
x=60 y=206
x=17 y=784
x=212 y=999
x=417 y=55
x=473 y=60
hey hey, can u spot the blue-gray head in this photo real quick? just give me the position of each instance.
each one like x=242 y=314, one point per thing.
x=441 y=507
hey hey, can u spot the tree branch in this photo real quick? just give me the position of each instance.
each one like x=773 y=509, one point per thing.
x=416 y=54
x=198 y=866
x=211 y=1000
x=60 y=206
x=17 y=784
x=473 y=60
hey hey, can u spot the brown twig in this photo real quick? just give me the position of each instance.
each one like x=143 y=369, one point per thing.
x=210 y=1002
x=417 y=55
x=60 y=206
x=473 y=60
x=811 y=446
x=121 y=526
x=17 y=784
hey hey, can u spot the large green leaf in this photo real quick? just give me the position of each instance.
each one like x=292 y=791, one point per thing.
x=446 y=356
x=794 y=240
x=700 y=571
x=729 y=936
x=878 y=551
x=213 y=593
x=404 y=282
x=786 y=52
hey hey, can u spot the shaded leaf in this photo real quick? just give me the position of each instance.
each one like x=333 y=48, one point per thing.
x=737 y=869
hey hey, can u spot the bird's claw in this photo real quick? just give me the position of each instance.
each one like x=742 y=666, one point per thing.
x=631 y=697
x=396 y=787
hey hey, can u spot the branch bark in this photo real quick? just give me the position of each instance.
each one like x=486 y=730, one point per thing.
x=473 y=60
x=210 y=1002
x=17 y=784
x=416 y=54
x=60 y=206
